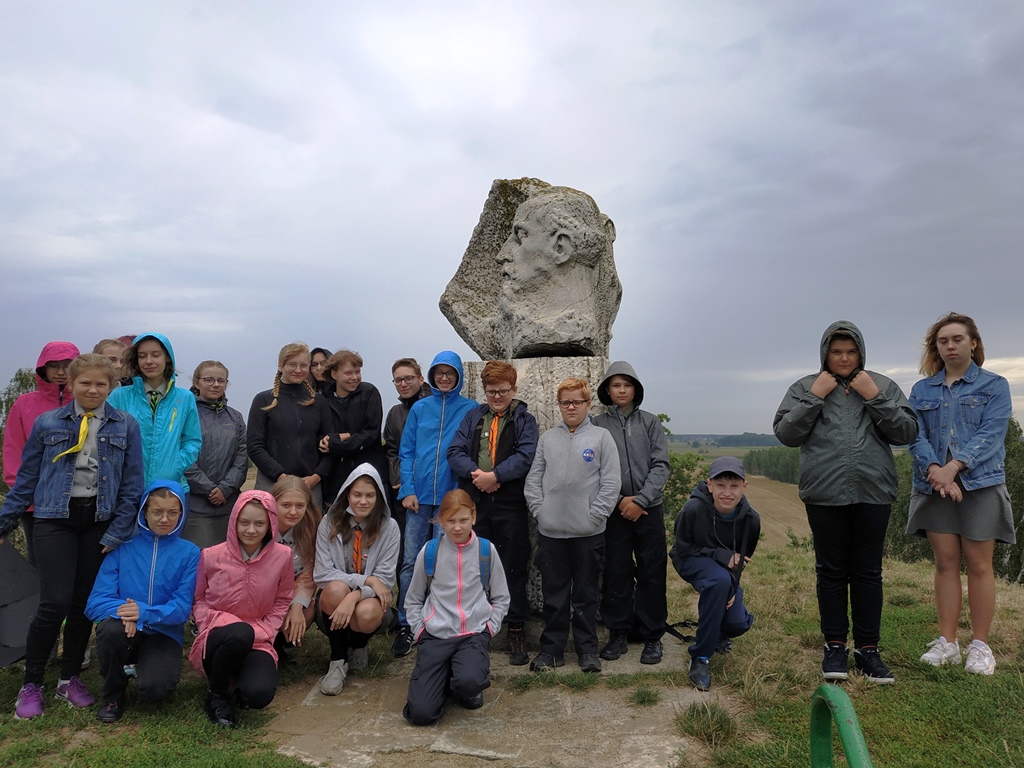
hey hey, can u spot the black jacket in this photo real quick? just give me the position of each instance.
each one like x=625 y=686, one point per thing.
x=286 y=438
x=701 y=532
x=360 y=415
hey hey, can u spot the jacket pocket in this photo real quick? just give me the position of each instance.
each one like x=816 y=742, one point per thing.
x=972 y=408
x=929 y=411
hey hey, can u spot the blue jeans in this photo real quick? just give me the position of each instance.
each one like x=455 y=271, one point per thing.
x=418 y=531
x=715 y=584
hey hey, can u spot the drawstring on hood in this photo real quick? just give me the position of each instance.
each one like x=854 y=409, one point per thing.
x=174 y=488
x=843 y=328
x=51 y=353
x=363 y=470
x=266 y=501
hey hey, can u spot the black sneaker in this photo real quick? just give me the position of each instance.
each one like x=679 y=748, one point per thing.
x=403 y=643
x=870 y=663
x=724 y=645
x=220 y=709
x=834 y=665
x=544 y=662
x=700 y=673
x=651 y=653
x=110 y=712
x=517 y=655
x=615 y=647
x=473 y=702
x=589 y=662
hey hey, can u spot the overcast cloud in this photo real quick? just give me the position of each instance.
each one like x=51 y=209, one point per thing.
x=239 y=175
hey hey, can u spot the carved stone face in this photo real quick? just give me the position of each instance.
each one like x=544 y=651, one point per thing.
x=538 y=246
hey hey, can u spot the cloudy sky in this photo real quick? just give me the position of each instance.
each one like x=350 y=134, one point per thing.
x=239 y=175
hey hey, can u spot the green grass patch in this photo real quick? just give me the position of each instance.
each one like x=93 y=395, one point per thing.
x=707 y=721
x=643 y=696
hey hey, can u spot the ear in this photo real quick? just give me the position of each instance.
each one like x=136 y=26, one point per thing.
x=562 y=248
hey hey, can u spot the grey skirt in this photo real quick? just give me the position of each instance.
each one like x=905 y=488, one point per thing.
x=983 y=515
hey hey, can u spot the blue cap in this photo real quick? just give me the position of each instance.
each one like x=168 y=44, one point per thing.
x=724 y=464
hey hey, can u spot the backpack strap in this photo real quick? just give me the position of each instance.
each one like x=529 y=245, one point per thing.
x=430 y=560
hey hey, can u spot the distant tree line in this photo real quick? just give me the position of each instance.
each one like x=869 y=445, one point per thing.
x=747 y=438
x=781 y=463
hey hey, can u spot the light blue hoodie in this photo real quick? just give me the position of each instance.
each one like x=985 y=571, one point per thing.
x=171 y=436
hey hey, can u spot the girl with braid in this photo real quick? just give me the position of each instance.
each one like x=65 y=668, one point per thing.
x=286 y=424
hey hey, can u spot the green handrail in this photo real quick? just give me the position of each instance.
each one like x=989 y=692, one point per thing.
x=828 y=703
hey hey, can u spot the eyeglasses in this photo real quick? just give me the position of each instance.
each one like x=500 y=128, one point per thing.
x=404 y=380
x=164 y=514
x=210 y=381
x=571 y=403
x=321 y=364
x=497 y=392
x=445 y=375
x=296 y=366
x=59 y=365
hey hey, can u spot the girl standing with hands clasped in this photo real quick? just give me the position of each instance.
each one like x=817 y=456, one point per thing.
x=845 y=420
x=356 y=559
x=960 y=501
x=242 y=594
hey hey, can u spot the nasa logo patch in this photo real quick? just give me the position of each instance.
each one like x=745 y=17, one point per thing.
x=588 y=454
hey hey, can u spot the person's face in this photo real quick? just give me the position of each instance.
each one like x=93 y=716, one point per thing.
x=536 y=246
x=212 y=382
x=955 y=345
x=295 y=369
x=499 y=395
x=459 y=525
x=152 y=361
x=317 y=366
x=57 y=371
x=162 y=514
x=253 y=524
x=406 y=381
x=346 y=378
x=115 y=354
x=445 y=377
x=621 y=391
x=573 y=407
x=726 y=493
x=362 y=498
x=843 y=357
x=291 y=508
x=90 y=388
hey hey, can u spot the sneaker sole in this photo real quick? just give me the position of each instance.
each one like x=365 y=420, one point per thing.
x=880 y=680
x=942 y=662
x=836 y=675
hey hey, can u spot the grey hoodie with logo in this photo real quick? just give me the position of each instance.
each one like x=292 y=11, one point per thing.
x=845 y=441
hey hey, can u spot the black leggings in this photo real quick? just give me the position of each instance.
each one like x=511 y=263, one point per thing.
x=230 y=656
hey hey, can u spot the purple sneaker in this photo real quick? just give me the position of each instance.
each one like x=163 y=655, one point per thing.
x=30 y=702
x=75 y=693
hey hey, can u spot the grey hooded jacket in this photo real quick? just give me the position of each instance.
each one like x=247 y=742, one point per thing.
x=643 y=447
x=845 y=441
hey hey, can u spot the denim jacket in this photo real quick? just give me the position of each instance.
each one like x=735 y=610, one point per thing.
x=968 y=419
x=48 y=485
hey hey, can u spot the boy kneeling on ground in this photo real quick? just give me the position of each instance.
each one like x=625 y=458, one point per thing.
x=716 y=535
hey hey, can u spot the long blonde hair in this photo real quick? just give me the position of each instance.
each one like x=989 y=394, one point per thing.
x=288 y=351
x=931 y=362
x=304 y=534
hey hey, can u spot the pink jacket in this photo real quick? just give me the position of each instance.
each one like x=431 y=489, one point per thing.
x=229 y=589
x=28 y=406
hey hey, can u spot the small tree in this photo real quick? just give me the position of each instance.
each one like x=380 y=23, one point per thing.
x=24 y=380
x=687 y=471
x=665 y=419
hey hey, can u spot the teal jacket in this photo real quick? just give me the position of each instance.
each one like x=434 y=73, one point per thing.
x=171 y=437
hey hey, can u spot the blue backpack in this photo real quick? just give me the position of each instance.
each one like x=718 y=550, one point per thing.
x=430 y=561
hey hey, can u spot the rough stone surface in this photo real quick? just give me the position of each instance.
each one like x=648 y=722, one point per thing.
x=538 y=277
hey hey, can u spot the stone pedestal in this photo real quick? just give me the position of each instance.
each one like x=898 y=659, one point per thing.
x=538 y=382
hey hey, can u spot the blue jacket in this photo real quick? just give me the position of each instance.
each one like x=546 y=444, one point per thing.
x=157 y=572
x=427 y=434
x=48 y=485
x=968 y=420
x=171 y=437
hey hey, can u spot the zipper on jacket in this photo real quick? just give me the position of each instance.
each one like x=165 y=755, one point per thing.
x=152 y=566
x=437 y=454
x=625 y=446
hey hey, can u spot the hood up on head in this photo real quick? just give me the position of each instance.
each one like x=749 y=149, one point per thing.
x=52 y=351
x=447 y=357
x=266 y=501
x=620 y=368
x=364 y=470
x=174 y=488
x=164 y=342
x=847 y=328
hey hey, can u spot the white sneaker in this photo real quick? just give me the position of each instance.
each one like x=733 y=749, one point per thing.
x=332 y=683
x=980 y=660
x=358 y=658
x=940 y=651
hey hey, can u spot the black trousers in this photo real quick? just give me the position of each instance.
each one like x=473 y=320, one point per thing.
x=230 y=656
x=157 y=660
x=461 y=665
x=569 y=571
x=636 y=559
x=848 y=545
x=508 y=528
x=70 y=555
x=343 y=640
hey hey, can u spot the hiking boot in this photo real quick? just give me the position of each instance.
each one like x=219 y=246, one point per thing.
x=517 y=655
x=980 y=660
x=871 y=664
x=545 y=662
x=29 y=704
x=110 y=712
x=940 y=652
x=837 y=659
x=358 y=658
x=403 y=643
x=652 y=652
x=74 y=692
x=332 y=683
x=220 y=710
x=472 y=702
x=589 y=662
x=616 y=646
x=700 y=673
x=724 y=645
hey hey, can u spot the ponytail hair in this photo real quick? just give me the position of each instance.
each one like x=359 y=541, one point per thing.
x=287 y=352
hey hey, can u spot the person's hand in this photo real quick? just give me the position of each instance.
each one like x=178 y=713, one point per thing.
x=942 y=477
x=411 y=503
x=343 y=436
x=216 y=496
x=487 y=482
x=630 y=510
x=864 y=385
x=106 y=550
x=294 y=626
x=731 y=600
x=952 y=491
x=343 y=613
x=824 y=384
x=130 y=627
x=324 y=443
x=737 y=558
x=311 y=481
x=380 y=590
x=128 y=610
